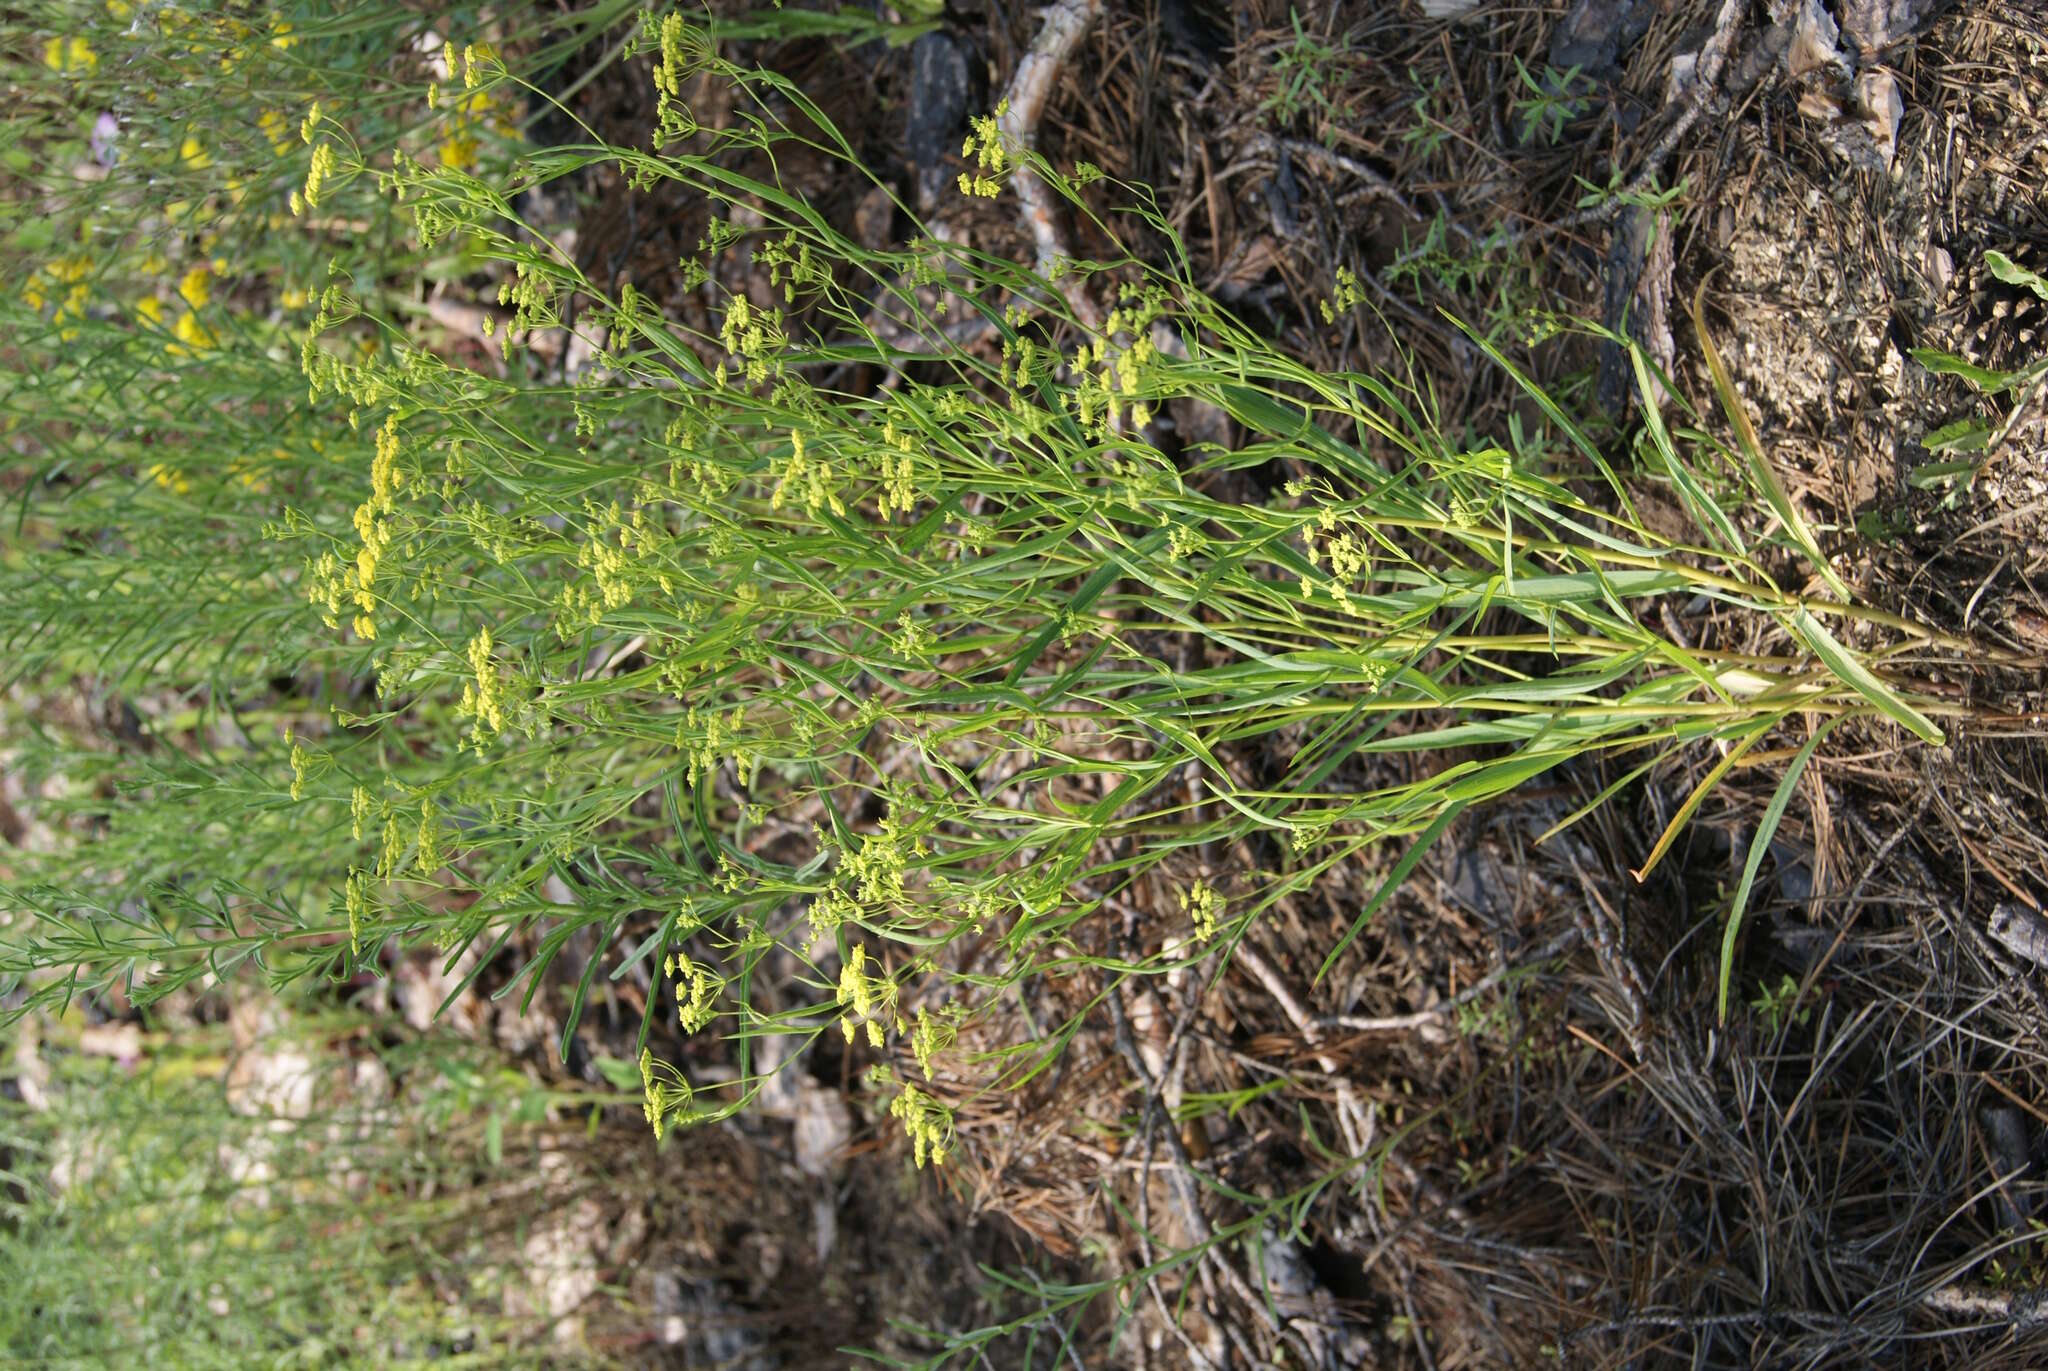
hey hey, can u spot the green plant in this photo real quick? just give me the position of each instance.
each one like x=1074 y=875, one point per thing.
x=1491 y=270
x=1773 y=1005
x=906 y=612
x=1428 y=132
x=859 y=629
x=229 y=1207
x=1550 y=104
x=1978 y=433
x=1651 y=196
x=1309 y=72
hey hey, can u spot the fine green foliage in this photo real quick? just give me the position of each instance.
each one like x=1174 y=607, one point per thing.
x=1550 y=104
x=962 y=638
x=305 y=1215
x=865 y=625
x=1308 y=69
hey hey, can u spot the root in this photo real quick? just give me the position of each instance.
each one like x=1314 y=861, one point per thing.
x=1065 y=24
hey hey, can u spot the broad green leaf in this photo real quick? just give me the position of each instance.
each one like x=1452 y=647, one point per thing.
x=1964 y=435
x=1931 y=474
x=1983 y=378
x=2013 y=274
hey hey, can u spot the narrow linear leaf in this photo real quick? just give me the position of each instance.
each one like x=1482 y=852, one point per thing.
x=1387 y=887
x=1844 y=664
x=1707 y=514
x=1761 y=471
x=1699 y=794
x=1766 y=829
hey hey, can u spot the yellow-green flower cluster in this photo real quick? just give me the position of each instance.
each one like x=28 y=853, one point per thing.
x=756 y=339
x=899 y=471
x=1110 y=374
x=620 y=543
x=331 y=582
x=1183 y=542
x=663 y=1091
x=1349 y=552
x=1349 y=295
x=984 y=147
x=477 y=59
x=531 y=299
x=929 y=1038
x=474 y=112
x=427 y=839
x=683 y=50
x=391 y=856
x=791 y=264
x=810 y=479
x=912 y=638
x=483 y=697
x=319 y=172
x=865 y=998
x=696 y=991
x=877 y=869
x=1203 y=904
x=1016 y=371
x=929 y=1124
x=303 y=765
x=706 y=737
x=830 y=910
x=356 y=899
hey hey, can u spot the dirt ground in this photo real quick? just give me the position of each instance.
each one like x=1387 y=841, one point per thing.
x=1587 y=1168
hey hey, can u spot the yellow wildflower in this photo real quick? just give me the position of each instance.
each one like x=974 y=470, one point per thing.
x=194 y=155
x=196 y=287
x=193 y=336
x=171 y=479
x=317 y=174
x=457 y=153
x=928 y=1123
x=277 y=129
x=70 y=56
